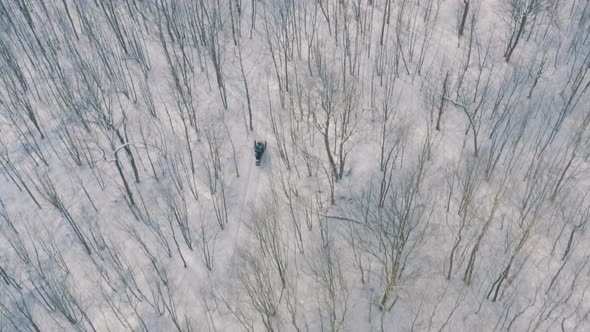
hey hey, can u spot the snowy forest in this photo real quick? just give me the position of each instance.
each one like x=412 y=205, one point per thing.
x=426 y=165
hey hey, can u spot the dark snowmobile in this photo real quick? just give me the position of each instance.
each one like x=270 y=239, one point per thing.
x=259 y=149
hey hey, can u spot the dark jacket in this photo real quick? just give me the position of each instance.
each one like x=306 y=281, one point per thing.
x=259 y=147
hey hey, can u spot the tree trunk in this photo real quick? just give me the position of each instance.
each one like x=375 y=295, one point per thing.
x=463 y=17
x=328 y=151
x=513 y=42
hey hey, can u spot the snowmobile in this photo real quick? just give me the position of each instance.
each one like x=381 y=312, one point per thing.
x=259 y=149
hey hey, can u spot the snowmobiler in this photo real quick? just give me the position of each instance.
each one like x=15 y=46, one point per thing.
x=259 y=148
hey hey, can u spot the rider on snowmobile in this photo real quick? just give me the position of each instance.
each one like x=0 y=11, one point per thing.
x=259 y=148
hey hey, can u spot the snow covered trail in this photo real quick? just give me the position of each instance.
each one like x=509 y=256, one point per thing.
x=249 y=191
x=251 y=187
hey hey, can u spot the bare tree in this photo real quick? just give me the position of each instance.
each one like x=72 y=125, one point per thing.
x=337 y=120
x=443 y=100
x=473 y=108
x=463 y=20
x=392 y=136
x=531 y=207
x=469 y=182
x=327 y=271
x=212 y=157
x=14 y=173
x=536 y=70
x=266 y=227
x=260 y=287
x=49 y=192
x=391 y=234
x=246 y=88
x=290 y=190
x=206 y=242
x=211 y=26
x=483 y=230
x=17 y=104
x=521 y=13
x=293 y=304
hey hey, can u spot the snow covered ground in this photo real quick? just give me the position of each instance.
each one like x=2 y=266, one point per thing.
x=427 y=165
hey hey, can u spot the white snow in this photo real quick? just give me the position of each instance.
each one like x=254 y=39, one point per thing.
x=287 y=259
